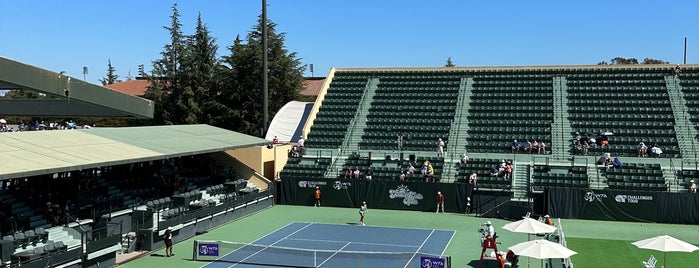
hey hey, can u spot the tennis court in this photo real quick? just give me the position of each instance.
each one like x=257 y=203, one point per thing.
x=334 y=245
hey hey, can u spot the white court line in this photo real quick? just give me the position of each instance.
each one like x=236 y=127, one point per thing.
x=253 y=242
x=331 y=256
x=362 y=243
x=304 y=227
x=418 y=250
x=379 y=226
x=448 y=243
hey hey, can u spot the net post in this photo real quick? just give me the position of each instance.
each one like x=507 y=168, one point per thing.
x=194 y=250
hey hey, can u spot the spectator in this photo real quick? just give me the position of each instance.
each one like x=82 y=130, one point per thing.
x=430 y=173
x=401 y=177
x=508 y=170
x=464 y=159
x=655 y=150
x=528 y=146
x=535 y=146
x=607 y=161
x=576 y=137
x=410 y=169
x=617 y=163
x=641 y=149
x=301 y=142
x=440 y=148
x=692 y=186
x=348 y=172
x=275 y=140
x=295 y=152
x=302 y=145
x=355 y=173
x=368 y=175
x=677 y=70
x=542 y=147
x=603 y=140
x=585 y=146
x=515 y=146
x=494 y=171
x=473 y=179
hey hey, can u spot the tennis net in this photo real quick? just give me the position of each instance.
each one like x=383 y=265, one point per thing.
x=243 y=253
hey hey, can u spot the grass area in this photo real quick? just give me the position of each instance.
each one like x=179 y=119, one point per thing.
x=598 y=243
x=619 y=253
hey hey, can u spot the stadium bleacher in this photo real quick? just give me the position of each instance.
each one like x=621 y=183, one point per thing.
x=547 y=104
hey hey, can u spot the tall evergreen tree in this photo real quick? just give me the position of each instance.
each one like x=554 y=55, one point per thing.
x=111 y=77
x=198 y=75
x=245 y=62
x=164 y=85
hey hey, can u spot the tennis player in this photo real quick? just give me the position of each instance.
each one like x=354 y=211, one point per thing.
x=362 y=211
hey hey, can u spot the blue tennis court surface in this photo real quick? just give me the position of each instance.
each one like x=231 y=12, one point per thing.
x=333 y=244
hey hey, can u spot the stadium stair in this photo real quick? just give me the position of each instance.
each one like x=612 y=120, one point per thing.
x=356 y=128
x=683 y=126
x=561 y=129
x=520 y=184
x=597 y=182
x=459 y=128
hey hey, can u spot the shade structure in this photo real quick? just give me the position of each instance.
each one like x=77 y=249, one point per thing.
x=542 y=249
x=665 y=243
x=529 y=226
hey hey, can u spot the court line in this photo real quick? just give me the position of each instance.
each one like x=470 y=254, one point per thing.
x=418 y=250
x=379 y=226
x=339 y=241
x=448 y=243
x=304 y=227
x=253 y=242
x=331 y=256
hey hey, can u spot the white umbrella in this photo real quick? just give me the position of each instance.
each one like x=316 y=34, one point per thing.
x=542 y=249
x=665 y=243
x=529 y=226
x=3 y=121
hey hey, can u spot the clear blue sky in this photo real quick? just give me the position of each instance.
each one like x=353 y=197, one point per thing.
x=67 y=35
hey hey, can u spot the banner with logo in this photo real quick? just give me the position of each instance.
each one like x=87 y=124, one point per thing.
x=619 y=206
x=334 y=193
x=377 y=193
x=602 y=204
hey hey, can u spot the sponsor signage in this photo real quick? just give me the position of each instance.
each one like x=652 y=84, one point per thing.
x=432 y=262
x=409 y=197
x=208 y=249
x=312 y=184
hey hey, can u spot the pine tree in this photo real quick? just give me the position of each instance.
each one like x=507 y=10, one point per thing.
x=164 y=84
x=244 y=97
x=111 y=77
x=449 y=63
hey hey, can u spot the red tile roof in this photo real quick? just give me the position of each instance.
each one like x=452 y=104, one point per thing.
x=135 y=87
x=312 y=86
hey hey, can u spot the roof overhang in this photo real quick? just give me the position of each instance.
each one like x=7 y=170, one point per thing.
x=34 y=153
x=74 y=97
